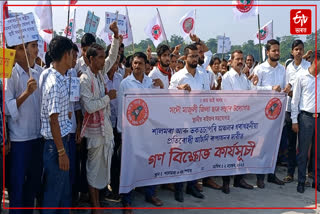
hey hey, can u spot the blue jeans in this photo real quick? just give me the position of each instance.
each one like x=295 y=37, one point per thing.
x=306 y=136
x=25 y=174
x=56 y=182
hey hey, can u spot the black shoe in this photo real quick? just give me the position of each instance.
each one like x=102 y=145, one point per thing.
x=194 y=192
x=242 y=184
x=225 y=189
x=260 y=183
x=275 y=180
x=300 y=187
x=178 y=195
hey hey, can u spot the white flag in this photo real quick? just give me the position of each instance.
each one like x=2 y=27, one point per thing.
x=187 y=23
x=44 y=16
x=245 y=8
x=154 y=30
x=129 y=40
x=70 y=30
x=224 y=44
x=266 y=33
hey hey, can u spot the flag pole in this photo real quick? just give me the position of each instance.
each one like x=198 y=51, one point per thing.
x=260 y=49
x=68 y=20
x=164 y=32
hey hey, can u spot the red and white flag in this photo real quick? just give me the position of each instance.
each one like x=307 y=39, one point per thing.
x=245 y=8
x=187 y=23
x=44 y=16
x=155 y=31
x=266 y=33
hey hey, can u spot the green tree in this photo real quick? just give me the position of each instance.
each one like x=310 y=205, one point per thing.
x=212 y=44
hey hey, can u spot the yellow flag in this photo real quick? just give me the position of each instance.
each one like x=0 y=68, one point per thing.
x=8 y=60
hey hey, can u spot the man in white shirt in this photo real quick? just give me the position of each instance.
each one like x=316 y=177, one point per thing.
x=22 y=106
x=234 y=79
x=189 y=78
x=271 y=76
x=162 y=70
x=137 y=79
x=205 y=56
x=303 y=123
x=294 y=68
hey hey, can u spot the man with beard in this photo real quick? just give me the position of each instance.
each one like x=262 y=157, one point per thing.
x=234 y=79
x=205 y=56
x=162 y=70
x=190 y=77
x=271 y=76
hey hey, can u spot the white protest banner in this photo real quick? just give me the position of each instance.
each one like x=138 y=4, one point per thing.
x=224 y=44
x=123 y=26
x=92 y=23
x=75 y=89
x=28 y=28
x=172 y=136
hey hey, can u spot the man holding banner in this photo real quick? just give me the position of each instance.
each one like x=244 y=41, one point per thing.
x=137 y=79
x=271 y=76
x=234 y=79
x=189 y=78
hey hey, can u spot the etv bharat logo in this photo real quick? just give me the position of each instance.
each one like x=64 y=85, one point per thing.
x=300 y=21
x=273 y=109
x=244 y=6
x=156 y=32
x=137 y=112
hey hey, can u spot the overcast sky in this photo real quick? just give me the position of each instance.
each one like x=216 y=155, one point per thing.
x=210 y=20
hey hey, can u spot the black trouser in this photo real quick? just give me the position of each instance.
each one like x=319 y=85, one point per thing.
x=237 y=178
x=292 y=144
x=116 y=163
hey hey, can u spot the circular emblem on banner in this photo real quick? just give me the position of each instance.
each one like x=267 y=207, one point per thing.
x=244 y=6
x=156 y=32
x=188 y=24
x=137 y=112
x=263 y=33
x=273 y=109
